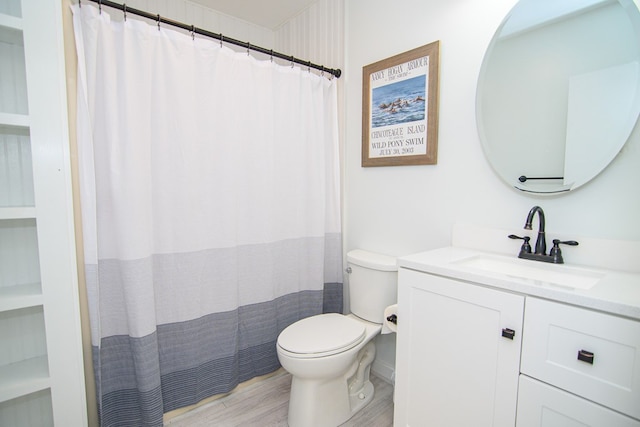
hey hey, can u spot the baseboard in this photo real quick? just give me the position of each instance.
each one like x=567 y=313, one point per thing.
x=384 y=371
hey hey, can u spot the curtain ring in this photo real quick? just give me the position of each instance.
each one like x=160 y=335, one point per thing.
x=248 y=47
x=292 y=60
x=271 y=55
x=158 y=22
x=100 y=6
x=124 y=11
x=309 y=66
x=221 y=40
x=80 y=3
x=193 y=32
x=322 y=73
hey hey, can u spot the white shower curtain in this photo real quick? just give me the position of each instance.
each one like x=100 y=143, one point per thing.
x=210 y=208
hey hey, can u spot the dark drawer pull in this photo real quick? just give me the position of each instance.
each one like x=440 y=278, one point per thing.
x=585 y=356
x=508 y=333
x=393 y=319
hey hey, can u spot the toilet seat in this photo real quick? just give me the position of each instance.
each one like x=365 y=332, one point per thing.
x=321 y=335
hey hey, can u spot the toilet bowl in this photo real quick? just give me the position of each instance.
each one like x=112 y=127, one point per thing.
x=326 y=371
x=329 y=356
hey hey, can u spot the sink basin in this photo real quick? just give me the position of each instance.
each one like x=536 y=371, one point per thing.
x=530 y=271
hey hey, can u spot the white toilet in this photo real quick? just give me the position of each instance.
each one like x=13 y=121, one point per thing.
x=329 y=356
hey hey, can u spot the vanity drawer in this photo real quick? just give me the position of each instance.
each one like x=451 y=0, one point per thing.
x=540 y=405
x=588 y=353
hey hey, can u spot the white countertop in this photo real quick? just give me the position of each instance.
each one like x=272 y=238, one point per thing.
x=616 y=293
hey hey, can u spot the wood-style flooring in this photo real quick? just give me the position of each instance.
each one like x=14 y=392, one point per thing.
x=265 y=404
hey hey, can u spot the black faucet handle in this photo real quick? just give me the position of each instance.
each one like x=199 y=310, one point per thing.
x=557 y=242
x=555 y=252
x=526 y=247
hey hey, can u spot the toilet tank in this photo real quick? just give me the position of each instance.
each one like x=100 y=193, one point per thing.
x=373 y=284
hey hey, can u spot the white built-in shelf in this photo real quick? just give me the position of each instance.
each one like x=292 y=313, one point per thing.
x=36 y=388
x=10 y=22
x=22 y=378
x=20 y=296
x=11 y=30
x=26 y=212
x=14 y=120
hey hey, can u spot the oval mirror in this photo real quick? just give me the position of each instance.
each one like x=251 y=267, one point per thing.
x=559 y=91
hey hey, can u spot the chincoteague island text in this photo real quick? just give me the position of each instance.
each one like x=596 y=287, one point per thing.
x=392 y=142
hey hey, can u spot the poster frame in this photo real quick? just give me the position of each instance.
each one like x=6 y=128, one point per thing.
x=399 y=154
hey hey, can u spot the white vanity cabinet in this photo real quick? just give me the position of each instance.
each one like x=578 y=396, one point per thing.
x=542 y=405
x=486 y=349
x=458 y=353
x=579 y=366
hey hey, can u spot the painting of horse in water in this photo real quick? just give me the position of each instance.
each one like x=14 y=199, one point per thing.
x=400 y=102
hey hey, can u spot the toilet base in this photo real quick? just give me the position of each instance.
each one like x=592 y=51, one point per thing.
x=332 y=410
x=331 y=402
x=362 y=399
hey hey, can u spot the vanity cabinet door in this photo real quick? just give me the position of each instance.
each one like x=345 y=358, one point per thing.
x=541 y=405
x=591 y=354
x=458 y=352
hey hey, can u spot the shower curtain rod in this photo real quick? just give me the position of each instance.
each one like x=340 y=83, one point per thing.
x=195 y=30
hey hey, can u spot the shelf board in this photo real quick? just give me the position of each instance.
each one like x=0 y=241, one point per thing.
x=20 y=296
x=26 y=212
x=22 y=378
x=11 y=22
x=11 y=30
x=14 y=120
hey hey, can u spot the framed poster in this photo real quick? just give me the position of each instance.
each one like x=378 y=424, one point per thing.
x=400 y=109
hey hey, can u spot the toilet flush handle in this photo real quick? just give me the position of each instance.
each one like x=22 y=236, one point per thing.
x=348 y=270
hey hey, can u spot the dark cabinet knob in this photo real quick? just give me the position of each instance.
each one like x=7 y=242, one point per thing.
x=508 y=333
x=585 y=356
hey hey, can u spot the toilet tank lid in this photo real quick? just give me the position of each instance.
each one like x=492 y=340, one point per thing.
x=372 y=260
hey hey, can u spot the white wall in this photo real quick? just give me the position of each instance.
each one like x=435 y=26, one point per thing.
x=400 y=210
x=205 y=18
x=405 y=209
x=316 y=34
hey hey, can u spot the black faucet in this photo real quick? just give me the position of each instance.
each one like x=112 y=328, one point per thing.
x=540 y=252
x=541 y=242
